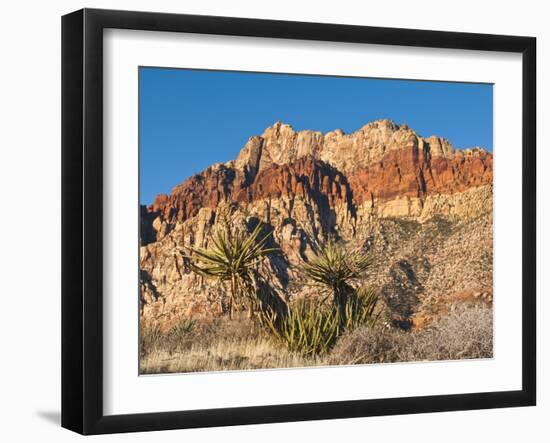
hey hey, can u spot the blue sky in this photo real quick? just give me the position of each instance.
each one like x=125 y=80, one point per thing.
x=190 y=119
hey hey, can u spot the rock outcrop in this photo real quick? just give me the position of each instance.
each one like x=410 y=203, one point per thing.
x=306 y=185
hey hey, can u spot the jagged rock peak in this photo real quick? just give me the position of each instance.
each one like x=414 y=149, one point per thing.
x=280 y=144
x=384 y=123
x=279 y=124
x=280 y=128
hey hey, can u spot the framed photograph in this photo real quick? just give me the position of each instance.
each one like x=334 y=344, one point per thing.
x=269 y=221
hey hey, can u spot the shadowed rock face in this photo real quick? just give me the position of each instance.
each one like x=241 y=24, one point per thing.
x=304 y=184
x=306 y=178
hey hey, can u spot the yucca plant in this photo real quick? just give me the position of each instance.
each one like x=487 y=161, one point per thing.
x=183 y=328
x=310 y=329
x=334 y=268
x=305 y=329
x=232 y=257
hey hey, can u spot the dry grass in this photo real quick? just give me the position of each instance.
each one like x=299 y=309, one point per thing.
x=465 y=333
x=224 y=355
x=219 y=345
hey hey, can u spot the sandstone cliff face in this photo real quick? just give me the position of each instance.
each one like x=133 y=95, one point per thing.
x=306 y=185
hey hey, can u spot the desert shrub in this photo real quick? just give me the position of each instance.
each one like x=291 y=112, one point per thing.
x=406 y=226
x=466 y=332
x=240 y=327
x=369 y=345
x=440 y=225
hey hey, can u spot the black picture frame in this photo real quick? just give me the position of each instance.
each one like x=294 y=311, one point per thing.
x=82 y=217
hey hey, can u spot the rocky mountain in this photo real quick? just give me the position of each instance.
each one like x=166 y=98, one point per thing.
x=420 y=206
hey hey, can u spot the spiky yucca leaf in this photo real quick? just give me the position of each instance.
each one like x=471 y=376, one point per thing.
x=334 y=265
x=360 y=310
x=230 y=253
x=305 y=329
